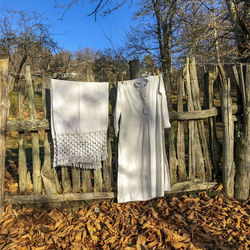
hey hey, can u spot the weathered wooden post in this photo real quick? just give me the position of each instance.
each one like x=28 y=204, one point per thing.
x=107 y=165
x=22 y=165
x=182 y=173
x=195 y=159
x=37 y=180
x=216 y=147
x=207 y=172
x=49 y=175
x=242 y=178
x=135 y=69
x=228 y=164
x=86 y=181
x=4 y=62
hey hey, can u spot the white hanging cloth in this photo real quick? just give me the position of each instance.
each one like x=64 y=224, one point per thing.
x=143 y=171
x=79 y=123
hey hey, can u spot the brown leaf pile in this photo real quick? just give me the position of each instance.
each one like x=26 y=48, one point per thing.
x=182 y=223
x=10 y=184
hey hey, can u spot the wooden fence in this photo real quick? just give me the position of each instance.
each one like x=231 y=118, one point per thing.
x=194 y=152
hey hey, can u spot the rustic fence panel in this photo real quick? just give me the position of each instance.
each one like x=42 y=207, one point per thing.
x=187 y=172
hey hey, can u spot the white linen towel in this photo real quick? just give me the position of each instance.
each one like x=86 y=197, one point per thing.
x=79 y=123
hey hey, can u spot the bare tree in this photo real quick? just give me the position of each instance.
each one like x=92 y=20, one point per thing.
x=110 y=65
x=101 y=7
x=25 y=36
x=61 y=62
x=239 y=13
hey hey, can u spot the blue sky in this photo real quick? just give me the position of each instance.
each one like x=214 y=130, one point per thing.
x=76 y=30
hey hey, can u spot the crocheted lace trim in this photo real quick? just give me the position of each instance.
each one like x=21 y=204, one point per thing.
x=80 y=150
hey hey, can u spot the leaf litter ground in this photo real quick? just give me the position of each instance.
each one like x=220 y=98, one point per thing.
x=186 y=222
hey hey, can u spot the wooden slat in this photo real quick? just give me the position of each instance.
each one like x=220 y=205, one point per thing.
x=86 y=180
x=31 y=199
x=182 y=173
x=22 y=165
x=193 y=115
x=27 y=125
x=205 y=171
x=3 y=121
x=195 y=159
x=76 y=178
x=49 y=174
x=36 y=164
x=216 y=147
x=107 y=169
x=66 y=182
x=188 y=186
x=35 y=125
x=98 y=180
x=228 y=164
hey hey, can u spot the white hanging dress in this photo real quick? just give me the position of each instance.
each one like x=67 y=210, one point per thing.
x=143 y=171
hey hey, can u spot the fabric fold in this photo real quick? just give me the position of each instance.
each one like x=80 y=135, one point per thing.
x=79 y=123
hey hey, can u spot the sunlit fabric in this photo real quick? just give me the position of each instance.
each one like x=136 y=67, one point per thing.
x=79 y=123
x=143 y=171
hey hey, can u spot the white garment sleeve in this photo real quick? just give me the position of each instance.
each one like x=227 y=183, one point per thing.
x=164 y=105
x=118 y=107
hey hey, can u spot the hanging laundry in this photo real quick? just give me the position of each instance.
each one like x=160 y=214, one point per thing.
x=143 y=171
x=79 y=123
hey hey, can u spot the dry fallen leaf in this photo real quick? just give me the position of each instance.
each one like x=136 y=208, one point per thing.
x=184 y=222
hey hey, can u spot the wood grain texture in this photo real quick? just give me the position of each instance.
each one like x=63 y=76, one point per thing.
x=228 y=164
x=4 y=63
x=36 y=164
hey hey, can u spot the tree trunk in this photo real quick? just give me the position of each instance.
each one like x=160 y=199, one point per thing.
x=240 y=25
x=242 y=179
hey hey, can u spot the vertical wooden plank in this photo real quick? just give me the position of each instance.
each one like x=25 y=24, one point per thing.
x=107 y=169
x=76 y=184
x=182 y=173
x=135 y=69
x=22 y=165
x=216 y=147
x=191 y=144
x=49 y=175
x=66 y=183
x=107 y=165
x=228 y=165
x=201 y=131
x=4 y=62
x=172 y=158
x=37 y=180
x=114 y=170
x=86 y=181
x=98 y=180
